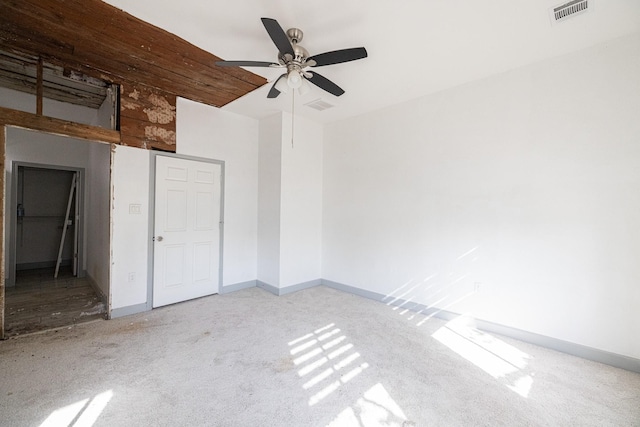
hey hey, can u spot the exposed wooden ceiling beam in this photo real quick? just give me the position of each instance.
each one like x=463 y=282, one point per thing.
x=54 y=126
x=98 y=39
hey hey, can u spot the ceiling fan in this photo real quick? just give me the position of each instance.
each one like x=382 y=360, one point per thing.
x=296 y=60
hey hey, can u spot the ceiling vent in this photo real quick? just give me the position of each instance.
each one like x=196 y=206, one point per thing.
x=568 y=10
x=319 y=105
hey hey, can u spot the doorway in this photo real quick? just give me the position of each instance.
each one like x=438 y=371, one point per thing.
x=48 y=218
x=46 y=288
x=38 y=300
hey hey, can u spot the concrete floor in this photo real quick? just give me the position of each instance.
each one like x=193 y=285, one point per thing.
x=313 y=358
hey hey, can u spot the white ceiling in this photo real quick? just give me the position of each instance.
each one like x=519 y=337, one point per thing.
x=415 y=47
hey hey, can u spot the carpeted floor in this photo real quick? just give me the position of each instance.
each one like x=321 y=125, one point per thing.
x=313 y=358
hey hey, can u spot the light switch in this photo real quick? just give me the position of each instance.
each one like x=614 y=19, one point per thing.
x=134 y=209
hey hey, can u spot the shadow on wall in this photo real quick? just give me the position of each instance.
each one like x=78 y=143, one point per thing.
x=439 y=291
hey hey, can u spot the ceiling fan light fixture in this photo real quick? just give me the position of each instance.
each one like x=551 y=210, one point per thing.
x=304 y=88
x=294 y=79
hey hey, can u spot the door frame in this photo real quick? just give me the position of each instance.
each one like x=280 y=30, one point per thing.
x=13 y=215
x=152 y=216
x=38 y=123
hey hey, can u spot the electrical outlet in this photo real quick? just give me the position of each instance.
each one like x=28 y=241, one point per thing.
x=476 y=286
x=132 y=277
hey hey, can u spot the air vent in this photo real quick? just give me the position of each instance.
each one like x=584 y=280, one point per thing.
x=319 y=105
x=568 y=10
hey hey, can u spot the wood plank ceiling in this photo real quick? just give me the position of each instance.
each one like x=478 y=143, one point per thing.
x=99 y=40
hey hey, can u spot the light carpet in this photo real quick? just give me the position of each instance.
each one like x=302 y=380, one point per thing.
x=316 y=357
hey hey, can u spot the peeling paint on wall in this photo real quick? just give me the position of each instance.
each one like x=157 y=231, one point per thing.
x=162 y=112
x=157 y=133
x=147 y=117
x=135 y=94
x=126 y=105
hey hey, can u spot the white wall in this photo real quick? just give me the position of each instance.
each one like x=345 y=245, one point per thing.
x=205 y=132
x=301 y=201
x=211 y=133
x=98 y=183
x=269 y=200
x=35 y=147
x=129 y=231
x=525 y=184
x=289 y=201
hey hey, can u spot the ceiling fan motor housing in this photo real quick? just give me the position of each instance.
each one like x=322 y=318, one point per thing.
x=295 y=35
x=300 y=53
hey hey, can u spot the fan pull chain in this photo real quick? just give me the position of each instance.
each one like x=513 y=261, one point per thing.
x=293 y=107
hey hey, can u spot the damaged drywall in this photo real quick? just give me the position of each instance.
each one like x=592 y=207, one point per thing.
x=147 y=117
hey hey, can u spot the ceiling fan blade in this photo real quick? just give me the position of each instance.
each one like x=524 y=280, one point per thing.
x=278 y=36
x=246 y=64
x=273 y=92
x=325 y=84
x=338 y=56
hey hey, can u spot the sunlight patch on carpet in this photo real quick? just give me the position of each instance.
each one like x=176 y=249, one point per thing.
x=326 y=361
x=376 y=407
x=502 y=361
x=83 y=413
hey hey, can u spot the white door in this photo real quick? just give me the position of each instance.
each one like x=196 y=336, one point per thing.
x=187 y=230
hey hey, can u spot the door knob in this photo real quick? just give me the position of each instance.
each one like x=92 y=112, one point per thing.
x=159 y=238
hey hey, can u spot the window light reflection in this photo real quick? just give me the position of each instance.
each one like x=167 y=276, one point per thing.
x=502 y=361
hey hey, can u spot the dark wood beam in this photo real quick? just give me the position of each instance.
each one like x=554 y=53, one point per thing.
x=98 y=39
x=56 y=126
